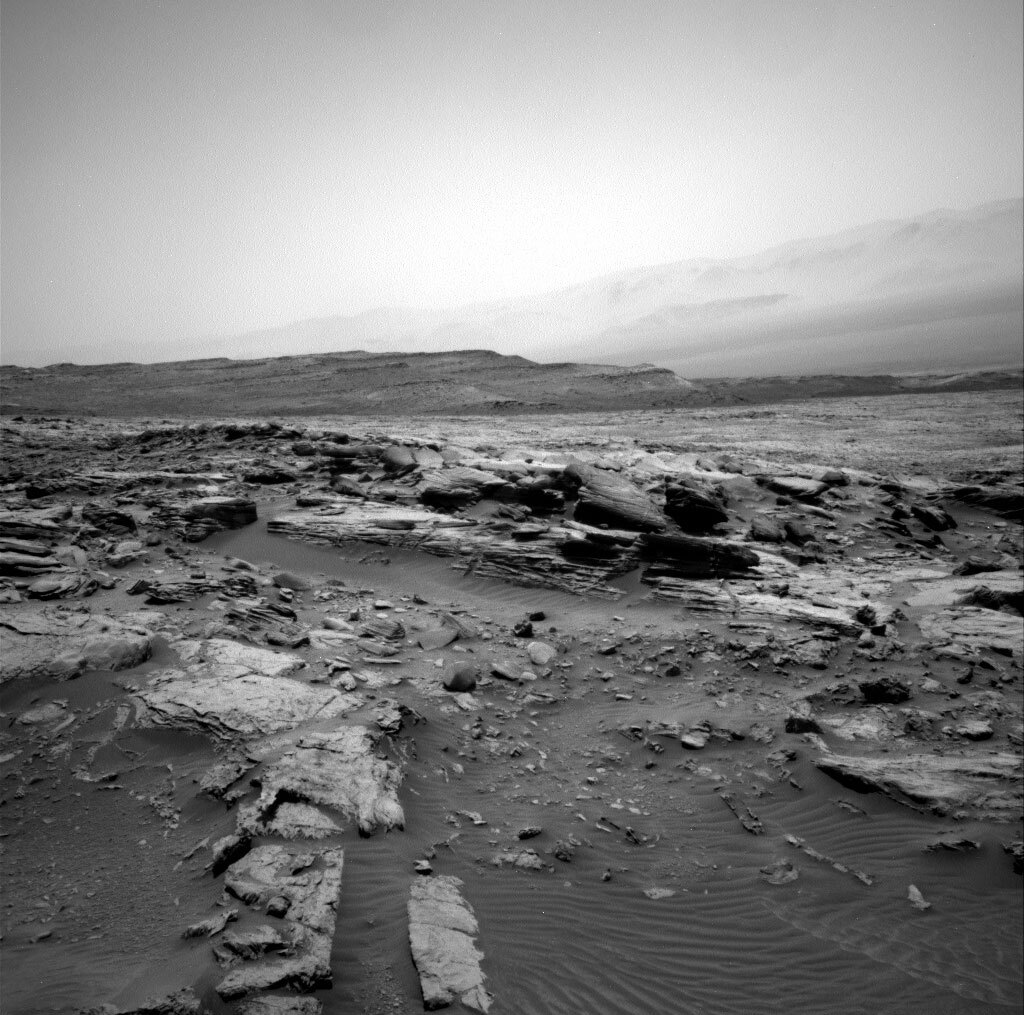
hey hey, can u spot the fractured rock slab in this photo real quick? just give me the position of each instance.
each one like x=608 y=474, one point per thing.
x=337 y=770
x=230 y=705
x=442 y=929
x=307 y=887
x=62 y=645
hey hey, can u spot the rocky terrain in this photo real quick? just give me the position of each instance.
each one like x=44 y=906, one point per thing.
x=479 y=382
x=632 y=711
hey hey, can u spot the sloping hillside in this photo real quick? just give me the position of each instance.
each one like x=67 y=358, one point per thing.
x=472 y=382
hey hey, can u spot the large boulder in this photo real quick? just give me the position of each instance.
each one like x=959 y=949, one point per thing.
x=605 y=498
x=695 y=506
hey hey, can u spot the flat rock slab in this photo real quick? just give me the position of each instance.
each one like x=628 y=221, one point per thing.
x=307 y=887
x=57 y=644
x=442 y=929
x=983 y=786
x=232 y=705
x=338 y=770
x=220 y=656
x=975 y=628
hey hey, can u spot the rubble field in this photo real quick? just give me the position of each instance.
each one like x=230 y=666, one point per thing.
x=696 y=711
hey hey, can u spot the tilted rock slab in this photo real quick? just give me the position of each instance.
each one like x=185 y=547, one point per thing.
x=442 y=929
x=984 y=786
x=337 y=770
x=57 y=644
x=307 y=886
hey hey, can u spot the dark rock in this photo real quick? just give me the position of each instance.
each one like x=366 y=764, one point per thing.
x=977 y=565
x=461 y=679
x=932 y=517
x=108 y=520
x=694 y=557
x=270 y=476
x=606 y=498
x=523 y=629
x=1016 y=851
x=798 y=532
x=884 y=689
x=695 y=506
x=994 y=599
x=765 y=530
x=953 y=846
x=287 y=580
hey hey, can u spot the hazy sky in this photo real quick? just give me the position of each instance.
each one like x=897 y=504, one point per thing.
x=192 y=167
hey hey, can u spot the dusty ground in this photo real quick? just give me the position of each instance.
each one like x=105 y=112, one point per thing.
x=745 y=785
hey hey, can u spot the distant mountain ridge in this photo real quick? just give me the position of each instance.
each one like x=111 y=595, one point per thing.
x=944 y=291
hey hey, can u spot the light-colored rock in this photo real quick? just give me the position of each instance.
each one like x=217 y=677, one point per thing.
x=218 y=656
x=975 y=628
x=986 y=786
x=337 y=770
x=442 y=929
x=62 y=644
x=307 y=886
x=237 y=705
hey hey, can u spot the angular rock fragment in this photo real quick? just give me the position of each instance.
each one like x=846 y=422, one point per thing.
x=442 y=929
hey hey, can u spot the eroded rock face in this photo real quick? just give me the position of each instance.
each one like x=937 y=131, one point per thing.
x=442 y=929
x=61 y=644
x=233 y=705
x=338 y=770
x=304 y=887
x=982 y=786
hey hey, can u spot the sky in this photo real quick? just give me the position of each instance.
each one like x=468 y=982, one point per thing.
x=176 y=168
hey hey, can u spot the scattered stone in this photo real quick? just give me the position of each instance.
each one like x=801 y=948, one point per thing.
x=780 y=872
x=917 y=900
x=659 y=893
x=842 y=868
